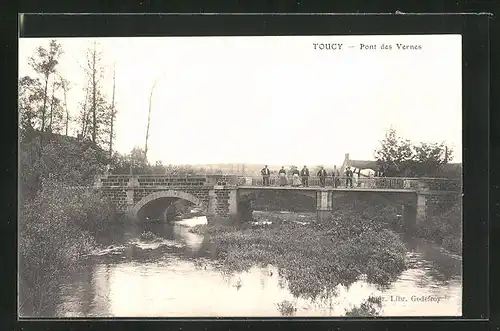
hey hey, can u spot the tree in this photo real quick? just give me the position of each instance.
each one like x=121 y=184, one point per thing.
x=149 y=116
x=134 y=162
x=65 y=87
x=96 y=115
x=395 y=154
x=44 y=63
x=30 y=102
x=112 y=116
x=430 y=157
x=399 y=157
x=56 y=110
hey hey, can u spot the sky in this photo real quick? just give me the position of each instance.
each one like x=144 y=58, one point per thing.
x=271 y=100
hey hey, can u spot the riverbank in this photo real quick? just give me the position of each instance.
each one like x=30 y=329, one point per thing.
x=443 y=227
x=57 y=231
x=313 y=258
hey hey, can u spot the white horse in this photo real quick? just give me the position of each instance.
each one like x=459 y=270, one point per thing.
x=363 y=177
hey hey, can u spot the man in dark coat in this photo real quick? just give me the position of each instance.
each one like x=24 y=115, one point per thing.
x=348 y=174
x=322 y=176
x=265 y=175
x=304 y=174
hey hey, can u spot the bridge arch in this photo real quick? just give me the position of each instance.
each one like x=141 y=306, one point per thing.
x=166 y=194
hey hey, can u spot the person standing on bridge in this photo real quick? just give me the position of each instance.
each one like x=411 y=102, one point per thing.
x=322 y=176
x=336 y=177
x=265 y=175
x=295 y=177
x=305 y=176
x=348 y=174
x=282 y=174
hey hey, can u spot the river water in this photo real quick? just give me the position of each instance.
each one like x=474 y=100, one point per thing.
x=172 y=275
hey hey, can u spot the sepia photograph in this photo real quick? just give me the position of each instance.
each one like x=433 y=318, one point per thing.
x=240 y=176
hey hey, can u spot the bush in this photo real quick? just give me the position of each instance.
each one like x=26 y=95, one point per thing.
x=57 y=231
x=313 y=258
x=368 y=308
x=444 y=229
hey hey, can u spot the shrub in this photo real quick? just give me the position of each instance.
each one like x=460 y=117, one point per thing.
x=444 y=229
x=368 y=308
x=313 y=258
x=286 y=308
x=57 y=231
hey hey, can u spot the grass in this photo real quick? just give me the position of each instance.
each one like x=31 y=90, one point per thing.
x=444 y=229
x=312 y=258
x=286 y=308
x=57 y=232
x=368 y=308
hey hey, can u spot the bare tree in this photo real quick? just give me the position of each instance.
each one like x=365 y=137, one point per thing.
x=113 y=114
x=54 y=102
x=65 y=87
x=149 y=117
x=96 y=118
x=85 y=113
x=94 y=100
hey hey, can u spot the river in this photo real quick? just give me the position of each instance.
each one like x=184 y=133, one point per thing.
x=174 y=276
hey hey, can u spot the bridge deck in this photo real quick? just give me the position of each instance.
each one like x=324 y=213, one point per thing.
x=316 y=188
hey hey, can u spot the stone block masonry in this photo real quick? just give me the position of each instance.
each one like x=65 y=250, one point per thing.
x=219 y=196
x=223 y=205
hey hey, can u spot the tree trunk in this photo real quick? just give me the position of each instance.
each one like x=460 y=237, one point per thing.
x=94 y=101
x=52 y=106
x=85 y=113
x=65 y=106
x=149 y=120
x=45 y=101
x=112 y=117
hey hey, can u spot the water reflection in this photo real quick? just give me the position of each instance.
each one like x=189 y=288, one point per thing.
x=171 y=275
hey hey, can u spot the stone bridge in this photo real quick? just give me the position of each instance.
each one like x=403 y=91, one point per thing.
x=221 y=197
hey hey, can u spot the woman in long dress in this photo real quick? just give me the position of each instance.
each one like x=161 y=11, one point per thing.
x=295 y=177
x=282 y=177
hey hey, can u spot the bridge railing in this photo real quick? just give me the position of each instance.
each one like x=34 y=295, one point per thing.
x=401 y=183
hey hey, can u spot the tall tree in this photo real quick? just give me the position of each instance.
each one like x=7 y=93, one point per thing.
x=430 y=157
x=96 y=116
x=149 y=117
x=113 y=114
x=65 y=87
x=54 y=106
x=30 y=102
x=394 y=154
x=84 y=113
x=44 y=63
x=94 y=95
x=399 y=157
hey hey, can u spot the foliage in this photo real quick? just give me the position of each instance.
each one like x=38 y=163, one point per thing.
x=137 y=162
x=313 y=258
x=61 y=158
x=39 y=107
x=57 y=224
x=286 y=308
x=97 y=113
x=399 y=157
x=368 y=308
x=56 y=231
x=445 y=229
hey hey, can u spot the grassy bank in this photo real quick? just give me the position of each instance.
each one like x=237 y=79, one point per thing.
x=312 y=258
x=444 y=229
x=57 y=231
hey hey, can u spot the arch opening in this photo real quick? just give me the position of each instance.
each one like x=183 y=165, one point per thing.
x=165 y=205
